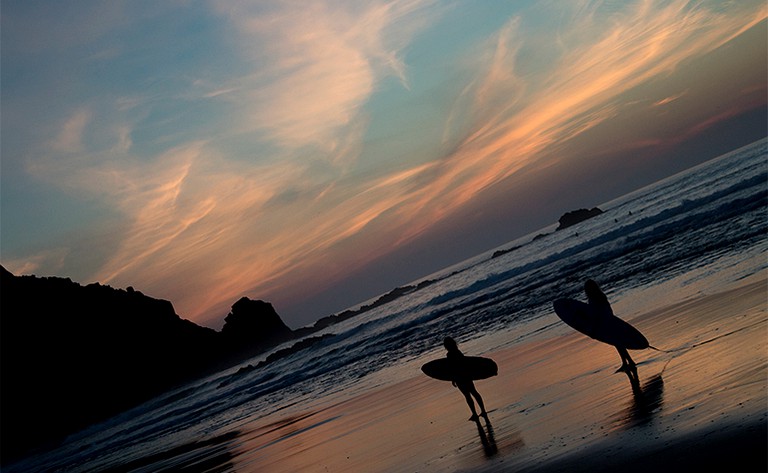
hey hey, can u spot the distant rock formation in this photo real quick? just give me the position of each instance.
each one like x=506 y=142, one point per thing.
x=254 y=324
x=503 y=252
x=395 y=293
x=572 y=218
x=73 y=355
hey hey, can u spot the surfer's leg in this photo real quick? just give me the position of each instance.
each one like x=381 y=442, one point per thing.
x=629 y=359
x=471 y=405
x=480 y=403
x=623 y=366
x=479 y=400
x=627 y=364
x=466 y=390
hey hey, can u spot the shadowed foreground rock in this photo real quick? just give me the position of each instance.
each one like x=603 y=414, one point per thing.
x=73 y=355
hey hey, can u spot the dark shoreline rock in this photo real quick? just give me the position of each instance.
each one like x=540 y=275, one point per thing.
x=106 y=350
x=577 y=216
x=73 y=355
x=503 y=252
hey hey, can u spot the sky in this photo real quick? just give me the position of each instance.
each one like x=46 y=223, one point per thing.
x=318 y=154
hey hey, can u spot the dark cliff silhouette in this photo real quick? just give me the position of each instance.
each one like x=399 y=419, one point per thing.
x=73 y=355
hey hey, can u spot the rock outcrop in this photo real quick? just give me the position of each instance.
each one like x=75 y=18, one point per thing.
x=576 y=216
x=73 y=355
x=254 y=324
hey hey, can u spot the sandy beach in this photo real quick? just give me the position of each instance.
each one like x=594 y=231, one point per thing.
x=557 y=405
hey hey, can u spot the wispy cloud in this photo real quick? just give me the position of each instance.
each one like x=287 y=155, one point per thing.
x=70 y=138
x=317 y=64
x=203 y=224
x=48 y=261
x=578 y=91
x=670 y=99
x=507 y=135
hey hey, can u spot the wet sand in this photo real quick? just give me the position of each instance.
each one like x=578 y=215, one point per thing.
x=557 y=405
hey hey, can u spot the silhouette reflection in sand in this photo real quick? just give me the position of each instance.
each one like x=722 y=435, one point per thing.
x=487 y=438
x=646 y=400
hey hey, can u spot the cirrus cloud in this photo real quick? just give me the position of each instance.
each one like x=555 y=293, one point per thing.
x=278 y=196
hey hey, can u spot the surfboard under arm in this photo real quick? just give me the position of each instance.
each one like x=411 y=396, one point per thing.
x=468 y=367
x=602 y=327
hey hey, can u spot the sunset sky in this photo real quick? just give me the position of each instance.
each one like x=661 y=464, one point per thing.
x=315 y=154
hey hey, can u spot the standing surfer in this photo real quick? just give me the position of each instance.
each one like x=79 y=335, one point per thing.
x=599 y=302
x=465 y=385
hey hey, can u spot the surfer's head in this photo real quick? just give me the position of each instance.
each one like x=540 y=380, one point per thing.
x=594 y=294
x=591 y=287
x=450 y=344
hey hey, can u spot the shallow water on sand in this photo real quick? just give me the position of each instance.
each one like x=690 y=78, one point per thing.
x=712 y=380
x=556 y=396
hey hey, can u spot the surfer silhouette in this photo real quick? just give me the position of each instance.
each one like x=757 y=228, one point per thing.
x=596 y=320
x=465 y=384
x=599 y=302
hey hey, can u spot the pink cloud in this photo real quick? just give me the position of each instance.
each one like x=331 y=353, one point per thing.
x=201 y=228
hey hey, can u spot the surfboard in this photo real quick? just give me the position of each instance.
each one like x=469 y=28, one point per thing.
x=468 y=367
x=606 y=328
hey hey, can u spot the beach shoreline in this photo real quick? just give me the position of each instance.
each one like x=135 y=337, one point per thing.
x=557 y=405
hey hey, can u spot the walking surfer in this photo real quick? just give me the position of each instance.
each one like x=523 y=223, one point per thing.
x=465 y=385
x=599 y=302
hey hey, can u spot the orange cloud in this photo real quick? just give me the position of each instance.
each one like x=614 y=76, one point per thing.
x=504 y=138
x=654 y=38
x=203 y=228
x=670 y=99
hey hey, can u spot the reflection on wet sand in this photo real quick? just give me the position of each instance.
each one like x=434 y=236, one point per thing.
x=558 y=404
x=487 y=439
x=646 y=401
x=494 y=445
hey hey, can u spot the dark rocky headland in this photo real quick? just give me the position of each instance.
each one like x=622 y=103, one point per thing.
x=73 y=355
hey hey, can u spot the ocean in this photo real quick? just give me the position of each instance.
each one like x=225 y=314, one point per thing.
x=690 y=234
